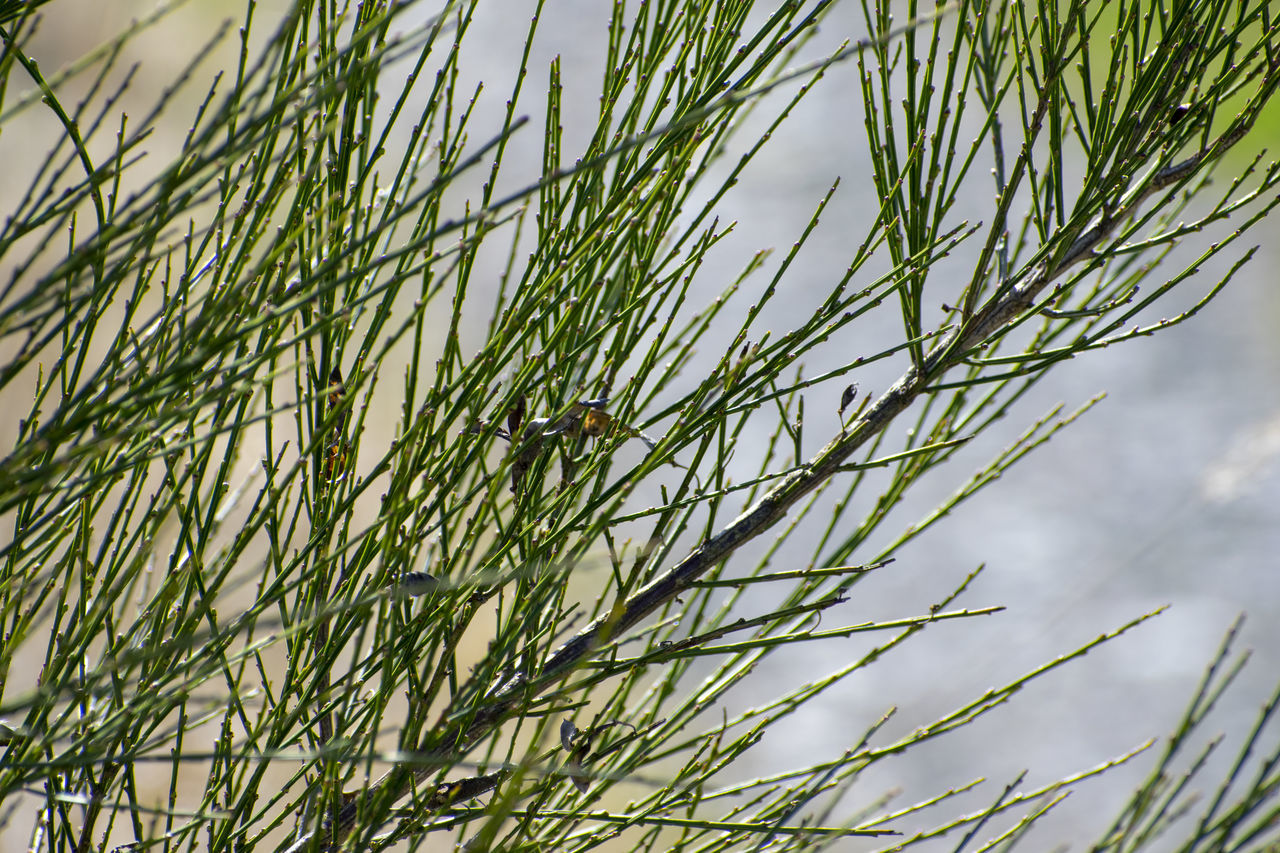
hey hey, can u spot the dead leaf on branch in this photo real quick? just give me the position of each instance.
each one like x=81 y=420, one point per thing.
x=586 y=418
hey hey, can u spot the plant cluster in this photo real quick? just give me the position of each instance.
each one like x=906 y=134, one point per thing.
x=355 y=545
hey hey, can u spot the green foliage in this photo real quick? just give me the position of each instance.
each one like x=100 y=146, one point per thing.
x=361 y=549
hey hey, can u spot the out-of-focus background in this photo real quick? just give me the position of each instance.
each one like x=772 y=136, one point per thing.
x=1167 y=493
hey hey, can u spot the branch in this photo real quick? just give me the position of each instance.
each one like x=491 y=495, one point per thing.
x=1008 y=304
x=775 y=504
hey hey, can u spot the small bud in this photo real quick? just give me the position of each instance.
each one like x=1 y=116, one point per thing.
x=568 y=731
x=847 y=397
x=417 y=583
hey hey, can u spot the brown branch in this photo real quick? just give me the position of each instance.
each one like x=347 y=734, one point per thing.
x=1008 y=304
x=774 y=504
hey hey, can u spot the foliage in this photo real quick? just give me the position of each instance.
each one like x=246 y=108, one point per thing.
x=334 y=626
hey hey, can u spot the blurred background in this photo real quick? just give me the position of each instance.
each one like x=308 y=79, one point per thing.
x=1166 y=493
